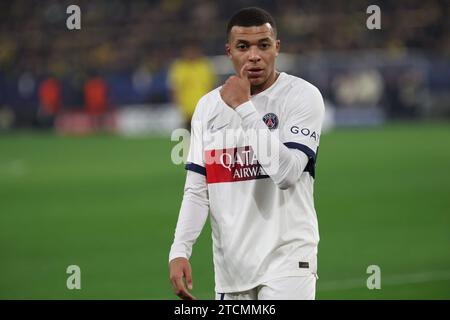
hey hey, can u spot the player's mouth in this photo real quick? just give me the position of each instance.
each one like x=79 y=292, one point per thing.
x=255 y=72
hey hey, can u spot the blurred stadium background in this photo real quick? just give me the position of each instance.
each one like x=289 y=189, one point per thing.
x=86 y=176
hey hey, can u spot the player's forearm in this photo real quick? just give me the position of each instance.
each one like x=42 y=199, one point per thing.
x=284 y=166
x=192 y=216
x=189 y=226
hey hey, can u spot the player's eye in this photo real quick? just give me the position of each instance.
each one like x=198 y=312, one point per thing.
x=241 y=46
x=265 y=45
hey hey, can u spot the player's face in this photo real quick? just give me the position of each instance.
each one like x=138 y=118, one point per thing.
x=256 y=47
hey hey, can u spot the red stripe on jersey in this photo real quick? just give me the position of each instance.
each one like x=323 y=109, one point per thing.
x=231 y=165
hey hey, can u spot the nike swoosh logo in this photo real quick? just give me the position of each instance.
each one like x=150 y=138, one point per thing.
x=213 y=129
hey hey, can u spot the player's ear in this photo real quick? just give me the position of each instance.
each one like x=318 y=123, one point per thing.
x=228 y=50
x=277 y=47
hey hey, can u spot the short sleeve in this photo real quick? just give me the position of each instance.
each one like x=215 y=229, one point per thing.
x=303 y=125
x=195 y=159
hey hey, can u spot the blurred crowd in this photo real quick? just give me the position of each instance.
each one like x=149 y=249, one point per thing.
x=123 y=52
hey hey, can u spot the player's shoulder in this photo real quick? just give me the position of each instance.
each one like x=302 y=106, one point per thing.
x=300 y=86
x=303 y=95
x=208 y=104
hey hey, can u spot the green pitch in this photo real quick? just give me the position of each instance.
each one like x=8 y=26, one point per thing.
x=110 y=205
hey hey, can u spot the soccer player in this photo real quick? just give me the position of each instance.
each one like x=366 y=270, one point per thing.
x=264 y=225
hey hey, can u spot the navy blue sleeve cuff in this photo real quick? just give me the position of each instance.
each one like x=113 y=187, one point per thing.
x=196 y=168
x=311 y=165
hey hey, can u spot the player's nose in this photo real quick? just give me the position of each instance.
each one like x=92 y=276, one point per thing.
x=254 y=55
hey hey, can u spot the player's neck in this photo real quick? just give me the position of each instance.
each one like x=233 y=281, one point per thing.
x=270 y=81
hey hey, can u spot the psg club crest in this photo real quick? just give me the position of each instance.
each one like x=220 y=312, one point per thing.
x=271 y=121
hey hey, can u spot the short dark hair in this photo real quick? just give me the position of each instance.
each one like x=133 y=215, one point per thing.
x=249 y=17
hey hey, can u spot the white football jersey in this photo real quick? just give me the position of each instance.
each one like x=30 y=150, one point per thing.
x=260 y=232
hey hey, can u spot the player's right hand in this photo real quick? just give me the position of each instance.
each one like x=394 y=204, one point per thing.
x=236 y=90
x=180 y=270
